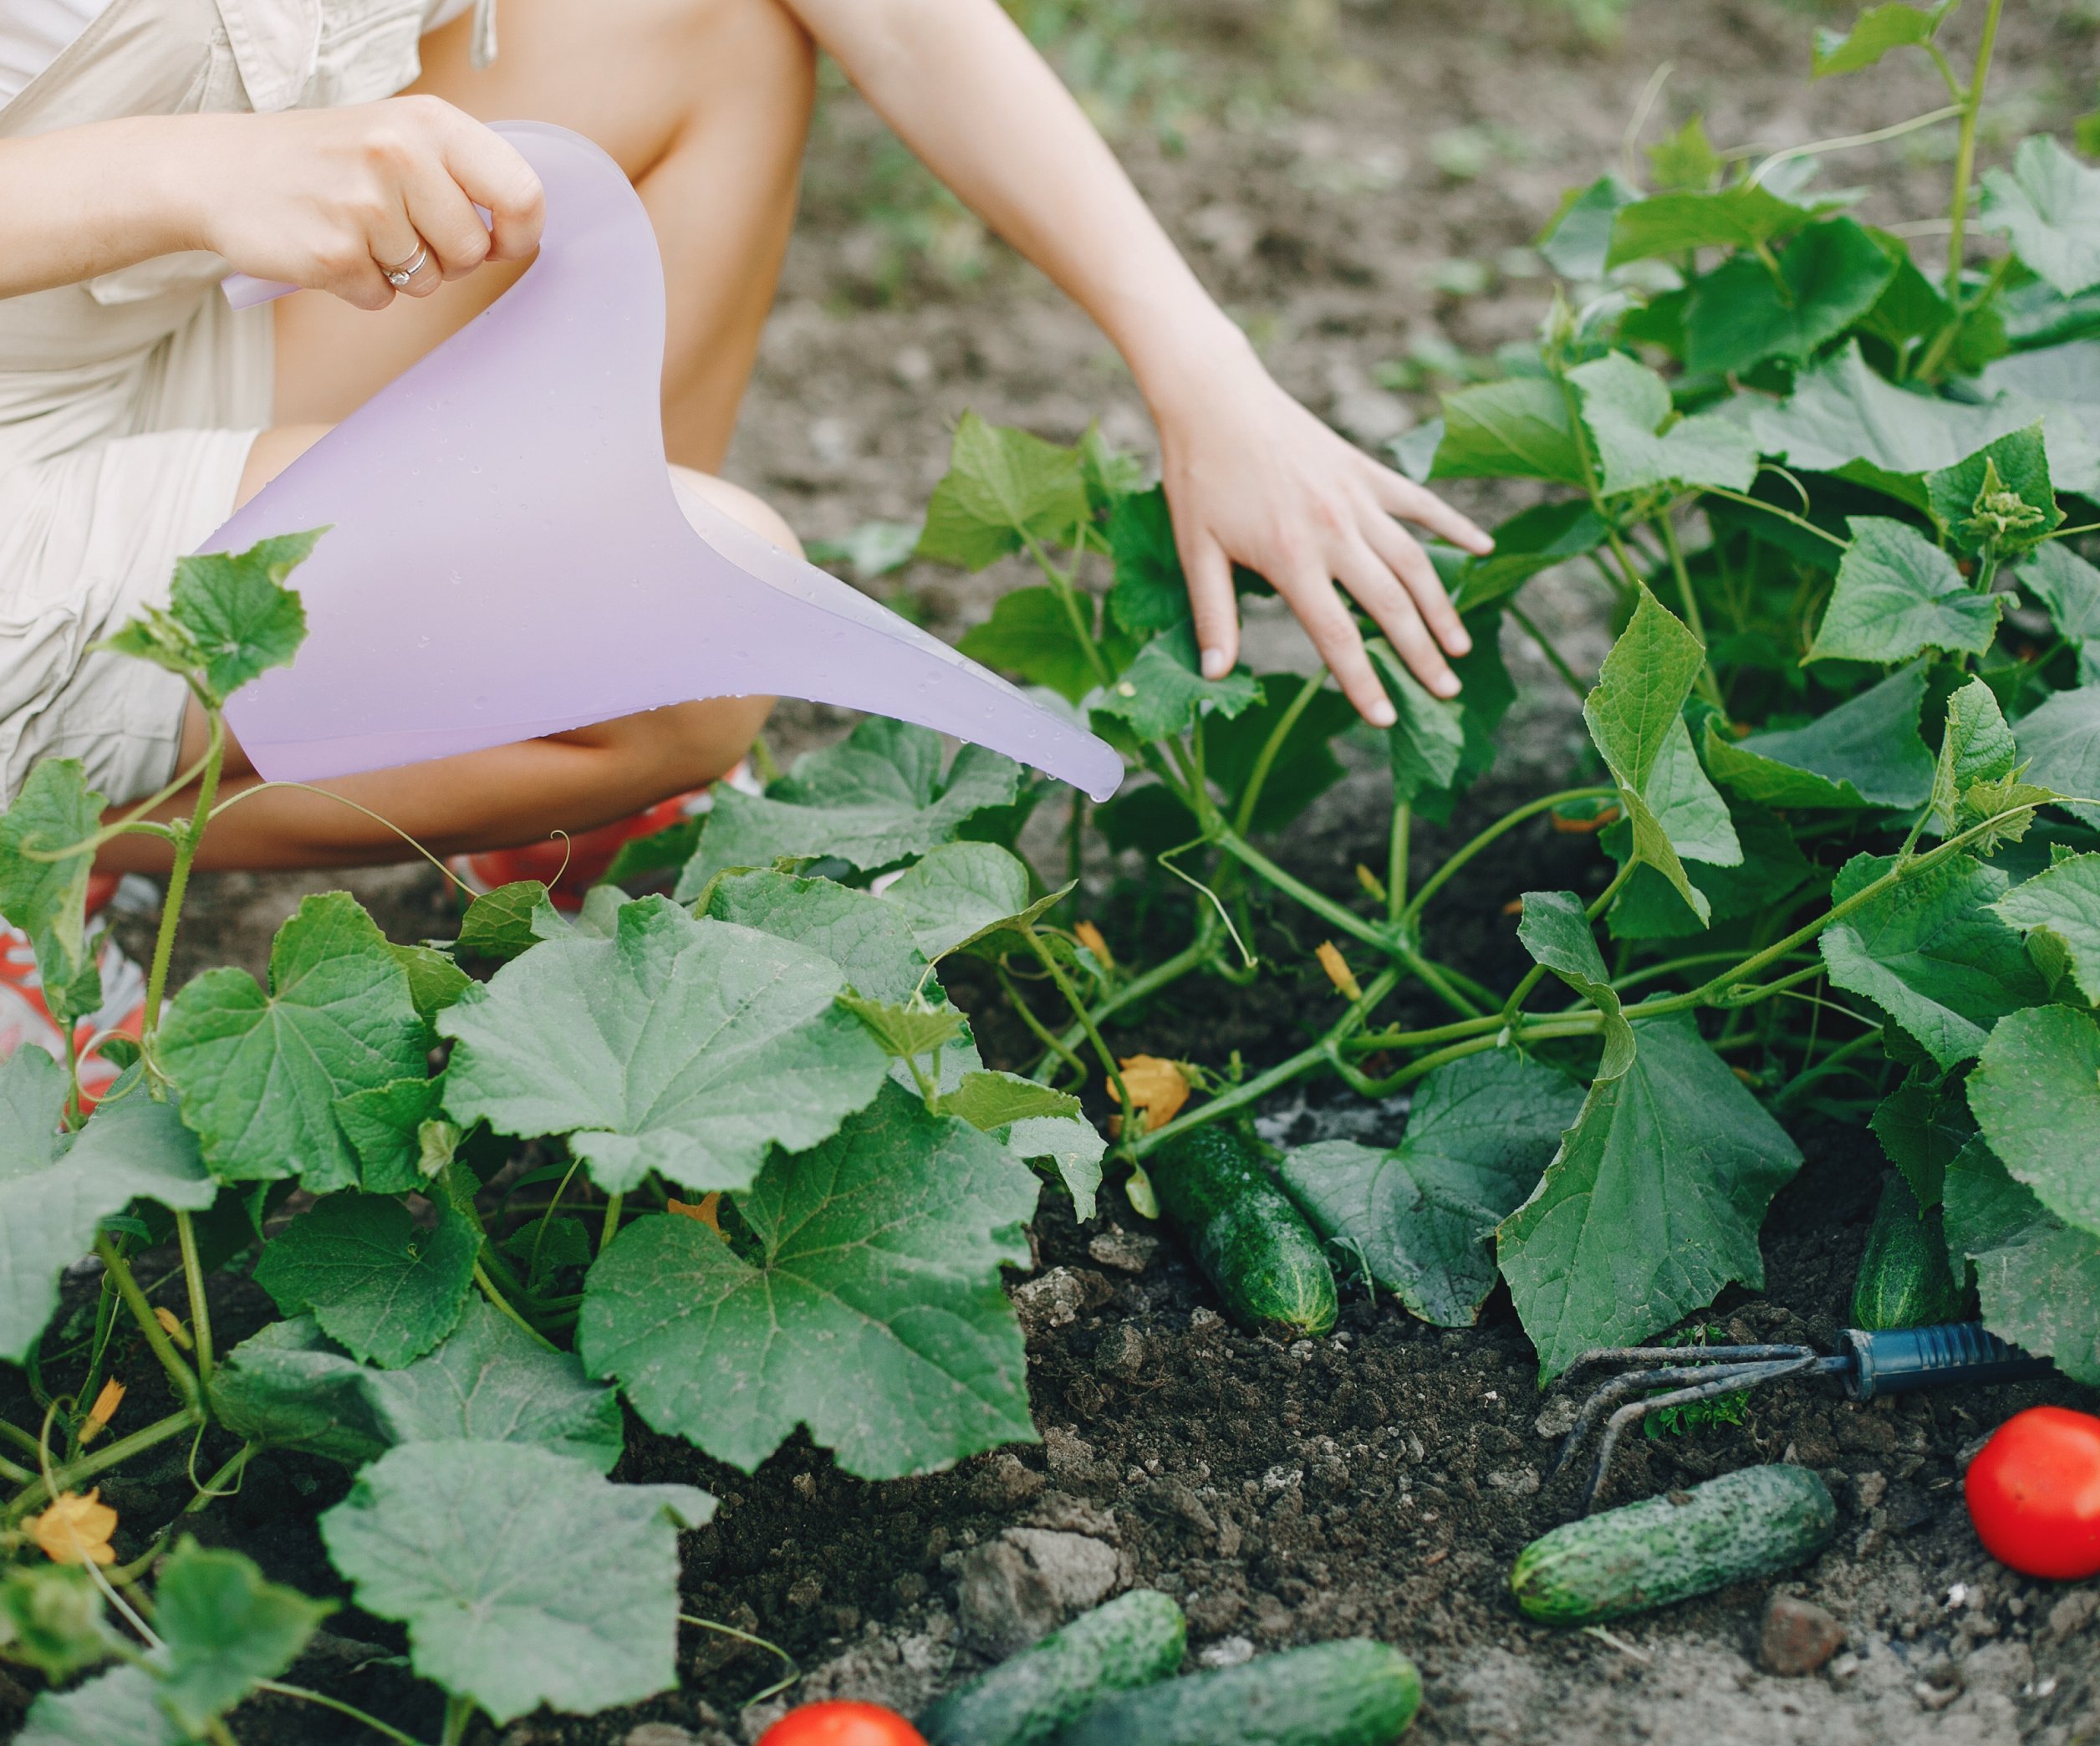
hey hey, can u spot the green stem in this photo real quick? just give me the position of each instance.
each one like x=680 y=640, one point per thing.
x=1847 y=142
x=114 y=1454
x=21 y=1440
x=179 y=1374
x=1558 y=660
x=1708 y=687
x=1396 y=852
x=1831 y=1062
x=1509 y=821
x=610 y=1229
x=1243 y=819
x=1604 y=897
x=200 y=1310
x=186 y=848
x=1370 y=933
x=1437 y=982
x=15 y=1475
x=1055 y=1049
x=1192 y=956
x=1785 y=515
x=1048 y=960
x=458 y=1712
x=503 y=1305
x=277 y=1687
x=1966 y=151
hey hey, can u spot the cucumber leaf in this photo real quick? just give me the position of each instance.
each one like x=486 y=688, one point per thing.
x=511 y=919
x=1420 y=1218
x=2035 y=1093
x=1740 y=217
x=1652 y=1205
x=868 y=1308
x=1874 y=33
x=261 y=1074
x=53 y=1195
x=2037 y=1278
x=121 y=1707
x=2060 y=742
x=1641 y=442
x=868 y=938
x=48 y=899
x=1557 y=932
x=1864 y=752
x=51 y=1618
x=960 y=893
x=2069 y=587
x=229 y=617
x=2063 y=901
x=377 y=1283
x=878 y=797
x=1003 y=488
x=1532 y=541
x=1518 y=429
x=1921 y=1126
x=1932 y=952
x=1427 y=741
x=2048 y=203
x=524 y=1578
x=1163 y=691
x=1149 y=593
x=1579 y=235
x=680 y=1046
x=1030 y=635
x=224 y=1628
x=2001 y=497
x=1830 y=275
x=1898 y=594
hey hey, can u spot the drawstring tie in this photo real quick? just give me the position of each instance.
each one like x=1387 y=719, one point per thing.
x=484 y=46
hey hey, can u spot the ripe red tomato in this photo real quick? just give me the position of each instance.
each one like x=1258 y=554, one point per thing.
x=2034 y=1493
x=842 y=1724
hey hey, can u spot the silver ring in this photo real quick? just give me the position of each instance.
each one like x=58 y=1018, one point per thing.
x=400 y=275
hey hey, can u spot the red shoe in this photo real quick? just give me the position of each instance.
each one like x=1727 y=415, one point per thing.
x=25 y=1019
x=569 y=866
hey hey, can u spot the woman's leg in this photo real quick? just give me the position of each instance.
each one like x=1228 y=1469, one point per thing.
x=705 y=103
x=498 y=799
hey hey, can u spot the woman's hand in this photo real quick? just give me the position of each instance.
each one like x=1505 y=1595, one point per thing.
x=333 y=198
x=1253 y=478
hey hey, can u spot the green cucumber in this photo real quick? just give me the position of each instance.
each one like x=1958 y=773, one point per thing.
x=1255 y=1246
x=1754 y=1522
x=1356 y=1692
x=1137 y=1639
x=1904 y=1281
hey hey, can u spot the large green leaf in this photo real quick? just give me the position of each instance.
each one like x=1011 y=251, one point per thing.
x=377 y=1283
x=878 y=798
x=1931 y=952
x=1635 y=716
x=1652 y=1205
x=1975 y=745
x=54 y=1196
x=870 y=940
x=229 y=617
x=1874 y=33
x=1831 y=275
x=1163 y=691
x=1898 y=594
x=1030 y=635
x=1921 y=1126
x=1427 y=739
x=2069 y=589
x=524 y=1578
x=1640 y=441
x=2035 y=1093
x=1532 y=541
x=2037 y=1278
x=680 y=1046
x=2063 y=901
x=2061 y=744
x=291 y=1387
x=960 y=893
x=1772 y=867
x=224 y=1628
x=121 y=1707
x=48 y=899
x=1557 y=932
x=1844 y=418
x=1864 y=752
x=1003 y=488
x=1579 y=235
x=2060 y=385
x=1304 y=766
x=1520 y=429
x=2048 y=203
x=870 y=1307
x=1999 y=498
x=261 y=1074
x=1149 y=593
x=1740 y=217
x=1418 y=1219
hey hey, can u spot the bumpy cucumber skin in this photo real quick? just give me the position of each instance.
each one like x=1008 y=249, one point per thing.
x=1135 y=1639
x=1253 y=1244
x=1904 y=1281
x=1356 y=1692
x=1755 y=1522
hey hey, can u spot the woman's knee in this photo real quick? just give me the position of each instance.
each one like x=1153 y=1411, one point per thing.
x=740 y=505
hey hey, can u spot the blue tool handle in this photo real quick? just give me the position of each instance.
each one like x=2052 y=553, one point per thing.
x=1895 y=1361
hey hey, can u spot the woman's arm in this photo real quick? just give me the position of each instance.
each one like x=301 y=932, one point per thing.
x=1252 y=476
x=321 y=198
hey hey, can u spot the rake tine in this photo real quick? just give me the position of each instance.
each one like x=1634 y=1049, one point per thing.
x=1731 y=1378
x=1674 y=1355
x=1634 y=1381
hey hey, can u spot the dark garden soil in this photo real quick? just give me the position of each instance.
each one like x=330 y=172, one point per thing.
x=1331 y=168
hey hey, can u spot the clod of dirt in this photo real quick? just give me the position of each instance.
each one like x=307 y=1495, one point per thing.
x=1796 y=1637
x=1129 y=1252
x=1121 y=1353
x=1025 y=1584
x=2073 y=1613
x=1057 y=1298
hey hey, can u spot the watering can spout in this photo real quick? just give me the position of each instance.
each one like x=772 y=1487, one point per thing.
x=510 y=556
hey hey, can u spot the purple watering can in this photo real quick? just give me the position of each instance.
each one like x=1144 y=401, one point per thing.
x=508 y=557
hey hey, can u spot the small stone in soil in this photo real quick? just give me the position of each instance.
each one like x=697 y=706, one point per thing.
x=1797 y=1637
x=1129 y=1252
x=1226 y=1652
x=1121 y=1353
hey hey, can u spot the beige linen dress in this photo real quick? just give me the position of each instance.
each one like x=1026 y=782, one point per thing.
x=128 y=403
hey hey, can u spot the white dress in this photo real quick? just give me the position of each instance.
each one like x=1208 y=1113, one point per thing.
x=128 y=403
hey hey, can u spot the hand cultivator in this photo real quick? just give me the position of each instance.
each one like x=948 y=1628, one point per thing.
x=1895 y=1361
